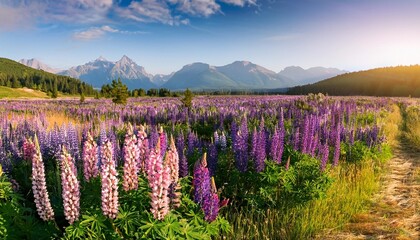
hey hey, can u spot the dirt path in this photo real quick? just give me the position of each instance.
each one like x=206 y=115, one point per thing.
x=395 y=213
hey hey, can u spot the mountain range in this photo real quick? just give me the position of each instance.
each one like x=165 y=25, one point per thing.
x=197 y=76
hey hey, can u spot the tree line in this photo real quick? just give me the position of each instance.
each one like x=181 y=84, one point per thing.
x=16 y=75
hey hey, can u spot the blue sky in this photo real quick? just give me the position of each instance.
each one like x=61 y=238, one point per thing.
x=164 y=35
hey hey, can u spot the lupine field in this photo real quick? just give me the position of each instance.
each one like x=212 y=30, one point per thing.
x=242 y=167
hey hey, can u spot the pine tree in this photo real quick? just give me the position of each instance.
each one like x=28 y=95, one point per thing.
x=119 y=92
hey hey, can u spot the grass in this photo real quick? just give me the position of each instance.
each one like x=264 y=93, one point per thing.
x=347 y=199
x=6 y=92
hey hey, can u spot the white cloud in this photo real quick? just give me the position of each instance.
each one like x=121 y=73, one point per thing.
x=203 y=8
x=240 y=3
x=24 y=13
x=97 y=32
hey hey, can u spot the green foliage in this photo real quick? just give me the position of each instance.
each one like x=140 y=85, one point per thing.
x=82 y=98
x=119 y=92
x=187 y=100
x=16 y=75
x=389 y=81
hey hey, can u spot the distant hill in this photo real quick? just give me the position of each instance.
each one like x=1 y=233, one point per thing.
x=102 y=71
x=388 y=81
x=237 y=75
x=300 y=76
x=16 y=75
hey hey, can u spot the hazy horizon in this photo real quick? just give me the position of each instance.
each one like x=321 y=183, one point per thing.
x=163 y=36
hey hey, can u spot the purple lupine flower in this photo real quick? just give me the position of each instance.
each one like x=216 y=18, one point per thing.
x=143 y=146
x=241 y=147
x=192 y=143
x=70 y=186
x=261 y=149
x=183 y=164
x=305 y=138
x=131 y=155
x=216 y=138
x=324 y=156
x=116 y=147
x=201 y=180
x=90 y=158
x=336 y=155
x=211 y=203
x=223 y=142
x=154 y=138
x=159 y=177
x=109 y=181
x=274 y=147
x=39 y=186
x=212 y=161
x=254 y=144
x=296 y=139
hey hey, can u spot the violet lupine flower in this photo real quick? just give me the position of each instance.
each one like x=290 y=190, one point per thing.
x=172 y=160
x=223 y=142
x=212 y=203
x=159 y=177
x=240 y=147
x=143 y=146
x=305 y=138
x=154 y=137
x=260 y=153
x=70 y=186
x=183 y=163
x=131 y=154
x=275 y=145
x=39 y=186
x=336 y=155
x=205 y=192
x=201 y=180
x=163 y=142
x=192 y=143
x=296 y=139
x=212 y=162
x=109 y=181
x=90 y=158
x=325 y=151
x=216 y=138
x=254 y=143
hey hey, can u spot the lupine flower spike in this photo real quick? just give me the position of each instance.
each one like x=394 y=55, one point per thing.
x=39 y=186
x=109 y=181
x=70 y=185
x=131 y=154
x=159 y=177
x=172 y=160
x=90 y=158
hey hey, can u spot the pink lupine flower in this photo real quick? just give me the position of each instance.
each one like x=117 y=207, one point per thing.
x=70 y=185
x=143 y=146
x=172 y=160
x=39 y=186
x=131 y=154
x=159 y=177
x=109 y=181
x=90 y=158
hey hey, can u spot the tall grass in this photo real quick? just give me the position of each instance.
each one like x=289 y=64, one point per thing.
x=412 y=124
x=349 y=194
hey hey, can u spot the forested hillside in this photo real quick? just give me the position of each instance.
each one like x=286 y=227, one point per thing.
x=16 y=75
x=389 y=81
